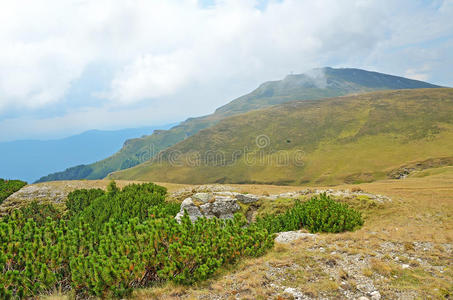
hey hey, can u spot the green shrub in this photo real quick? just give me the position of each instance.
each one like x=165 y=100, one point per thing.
x=319 y=214
x=115 y=241
x=106 y=254
x=8 y=187
x=79 y=199
x=134 y=201
x=40 y=212
x=137 y=254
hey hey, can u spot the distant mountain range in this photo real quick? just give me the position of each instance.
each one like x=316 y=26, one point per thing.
x=350 y=139
x=313 y=85
x=30 y=159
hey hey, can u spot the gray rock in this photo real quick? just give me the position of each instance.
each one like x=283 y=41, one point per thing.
x=231 y=194
x=222 y=207
x=202 y=197
x=294 y=292
x=247 y=198
x=290 y=236
x=288 y=195
x=192 y=210
x=375 y=295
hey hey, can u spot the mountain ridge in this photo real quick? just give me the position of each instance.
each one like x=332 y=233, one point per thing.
x=317 y=84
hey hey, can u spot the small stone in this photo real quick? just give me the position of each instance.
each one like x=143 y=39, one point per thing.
x=405 y=266
x=331 y=263
x=293 y=292
x=375 y=295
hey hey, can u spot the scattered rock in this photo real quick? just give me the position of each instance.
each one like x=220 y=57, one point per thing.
x=331 y=263
x=290 y=236
x=375 y=295
x=294 y=292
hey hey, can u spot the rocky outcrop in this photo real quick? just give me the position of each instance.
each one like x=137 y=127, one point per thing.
x=221 y=205
x=404 y=171
x=215 y=201
x=330 y=192
x=55 y=193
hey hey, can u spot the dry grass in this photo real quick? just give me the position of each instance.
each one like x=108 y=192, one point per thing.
x=381 y=267
x=421 y=211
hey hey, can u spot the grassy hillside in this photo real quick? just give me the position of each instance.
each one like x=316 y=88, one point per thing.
x=349 y=139
x=318 y=84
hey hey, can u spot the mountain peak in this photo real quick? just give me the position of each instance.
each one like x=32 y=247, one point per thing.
x=319 y=83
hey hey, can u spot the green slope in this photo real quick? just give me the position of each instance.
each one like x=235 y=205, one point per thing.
x=318 y=84
x=346 y=139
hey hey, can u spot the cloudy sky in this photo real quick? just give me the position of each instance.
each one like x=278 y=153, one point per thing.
x=68 y=66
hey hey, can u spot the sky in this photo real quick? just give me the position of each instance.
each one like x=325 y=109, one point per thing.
x=67 y=66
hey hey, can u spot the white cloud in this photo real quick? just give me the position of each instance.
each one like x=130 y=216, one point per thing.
x=151 y=77
x=198 y=58
x=235 y=39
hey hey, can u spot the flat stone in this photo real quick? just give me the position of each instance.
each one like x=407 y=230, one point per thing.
x=290 y=236
x=375 y=295
x=203 y=197
x=247 y=198
x=287 y=195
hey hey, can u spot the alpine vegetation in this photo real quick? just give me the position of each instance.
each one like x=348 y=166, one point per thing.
x=107 y=243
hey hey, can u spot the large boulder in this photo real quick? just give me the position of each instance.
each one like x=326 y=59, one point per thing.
x=192 y=210
x=208 y=205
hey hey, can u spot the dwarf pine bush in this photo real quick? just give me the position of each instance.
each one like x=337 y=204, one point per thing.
x=319 y=214
x=111 y=242
x=115 y=242
x=8 y=187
